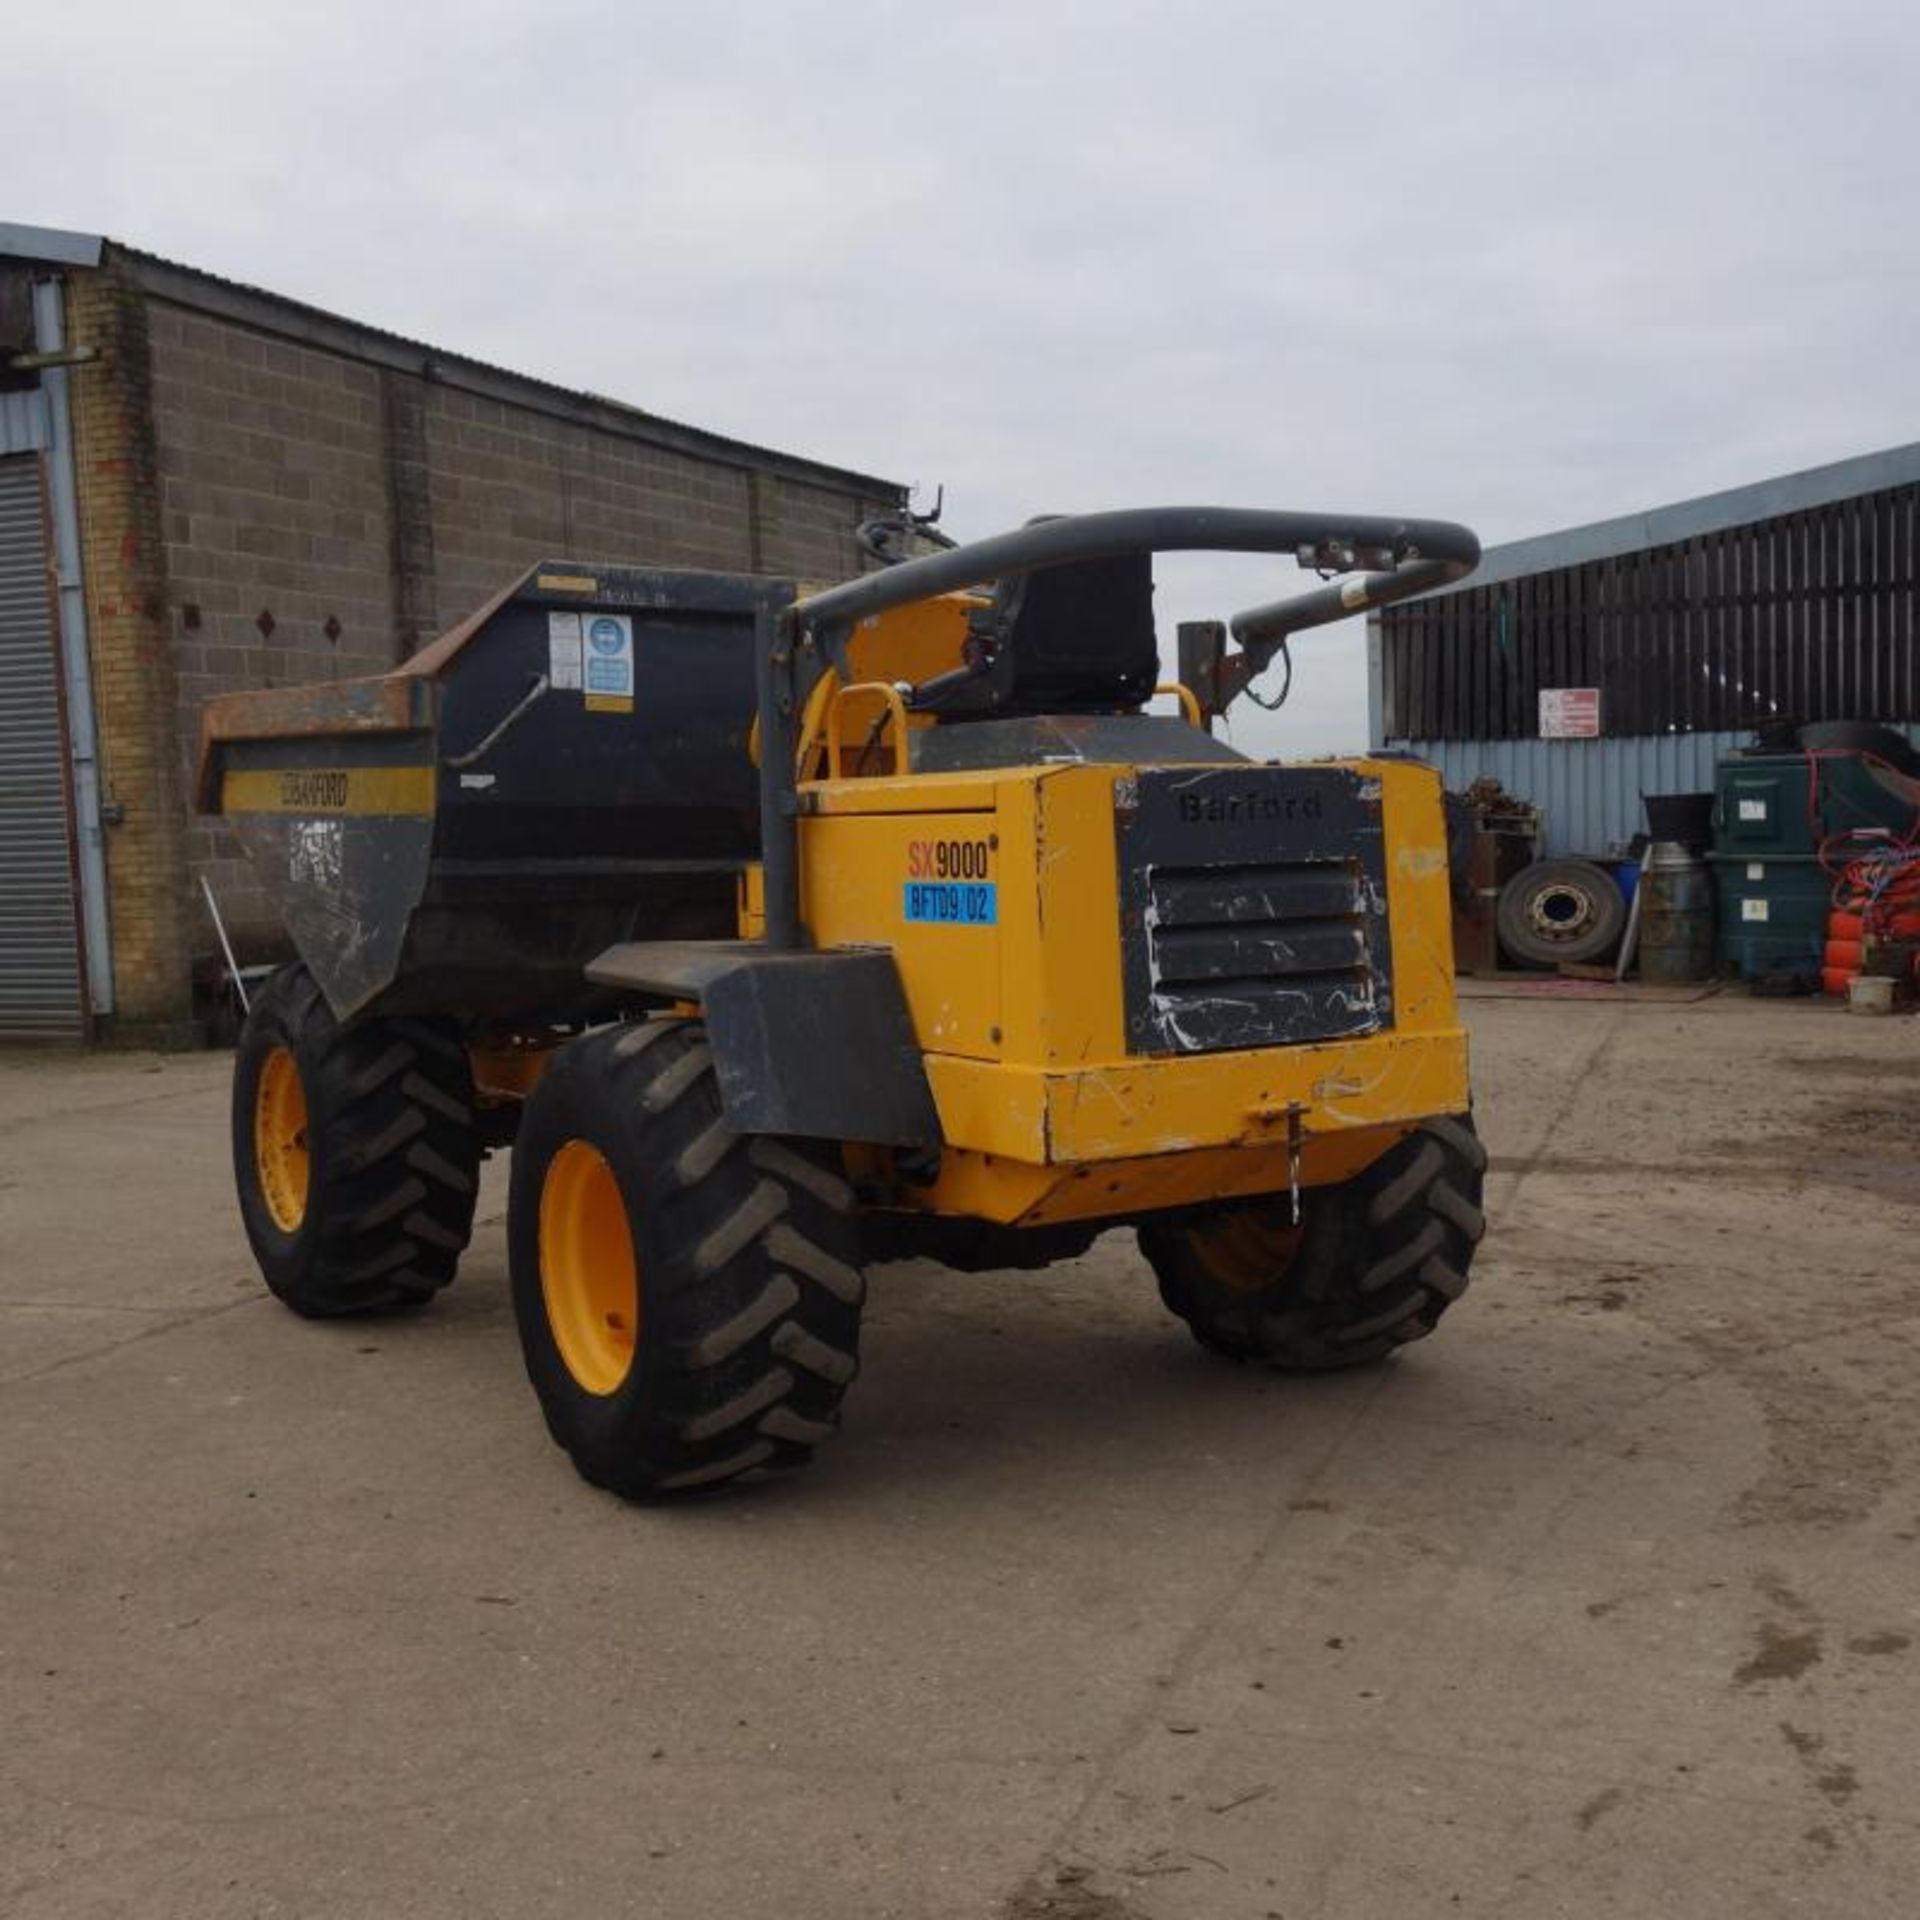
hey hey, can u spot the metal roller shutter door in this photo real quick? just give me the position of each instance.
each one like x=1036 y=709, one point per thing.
x=40 y=992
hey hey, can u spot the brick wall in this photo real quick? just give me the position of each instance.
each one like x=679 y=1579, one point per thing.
x=509 y=486
x=300 y=514
x=804 y=531
x=274 y=509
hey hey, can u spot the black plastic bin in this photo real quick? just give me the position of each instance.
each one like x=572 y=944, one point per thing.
x=1685 y=819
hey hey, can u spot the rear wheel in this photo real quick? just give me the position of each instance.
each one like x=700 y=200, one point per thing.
x=688 y=1298
x=354 y=1152
x=1373 y=1264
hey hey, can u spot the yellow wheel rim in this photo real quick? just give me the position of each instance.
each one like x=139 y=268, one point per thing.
x=589 y=1275
x=1249 y=1249
x=280 y=1154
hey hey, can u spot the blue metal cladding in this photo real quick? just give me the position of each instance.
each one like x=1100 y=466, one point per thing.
x=1590 y=789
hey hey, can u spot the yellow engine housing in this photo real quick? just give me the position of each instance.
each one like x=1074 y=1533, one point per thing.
x=1047 y=1113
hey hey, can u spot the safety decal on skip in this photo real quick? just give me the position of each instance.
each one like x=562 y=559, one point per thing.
x=608 y=662
x=564 y=647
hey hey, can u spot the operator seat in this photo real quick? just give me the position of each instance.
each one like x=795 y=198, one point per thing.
x=1075 y=638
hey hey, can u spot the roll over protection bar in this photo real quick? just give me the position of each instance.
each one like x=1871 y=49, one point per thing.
x=1390 y=560
x=1400 y=558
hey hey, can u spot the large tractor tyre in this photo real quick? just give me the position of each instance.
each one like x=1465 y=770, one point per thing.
x=1559 y=910
x=354 y=1150
x=688 y=1297
x=1373 y=1264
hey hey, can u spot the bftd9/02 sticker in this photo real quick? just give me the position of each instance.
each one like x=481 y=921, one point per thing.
x=949 y=883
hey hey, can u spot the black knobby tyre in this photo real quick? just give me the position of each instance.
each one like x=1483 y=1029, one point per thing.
x=1559 y=910
x=740 y=1264
x=1373 y=1265
x=388 y=1153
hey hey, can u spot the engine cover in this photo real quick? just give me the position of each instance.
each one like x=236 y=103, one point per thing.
x=1253 y=907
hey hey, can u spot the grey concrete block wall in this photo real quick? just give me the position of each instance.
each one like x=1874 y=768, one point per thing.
x=507 y=487
x=273 y=501
x=362 y=507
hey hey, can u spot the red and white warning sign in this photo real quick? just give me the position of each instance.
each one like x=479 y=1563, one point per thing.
x=1569 y=713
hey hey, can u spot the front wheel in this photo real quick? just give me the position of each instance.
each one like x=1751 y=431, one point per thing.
x=1373 y=1264
x=688 y=1298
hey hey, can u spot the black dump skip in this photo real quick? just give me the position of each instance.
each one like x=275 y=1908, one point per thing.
x=1254 y=908
x=565 y=770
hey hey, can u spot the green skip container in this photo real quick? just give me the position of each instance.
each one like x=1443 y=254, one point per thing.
x=1773 y=917
x=1772 y=813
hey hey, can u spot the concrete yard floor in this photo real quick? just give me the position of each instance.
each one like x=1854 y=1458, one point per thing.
x=1605 y=1601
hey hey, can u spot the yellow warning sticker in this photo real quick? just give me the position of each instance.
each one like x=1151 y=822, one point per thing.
x=328 y=790
x=567 y=582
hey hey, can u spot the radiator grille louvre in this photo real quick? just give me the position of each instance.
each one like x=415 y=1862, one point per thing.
x=1256 y=904
x=1237 y=954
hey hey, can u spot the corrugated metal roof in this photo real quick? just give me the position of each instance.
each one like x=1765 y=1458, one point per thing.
x=51 y=246
x=1688 y=519
x=295 y=319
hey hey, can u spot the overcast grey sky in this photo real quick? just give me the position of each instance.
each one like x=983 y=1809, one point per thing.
x=1517 y=264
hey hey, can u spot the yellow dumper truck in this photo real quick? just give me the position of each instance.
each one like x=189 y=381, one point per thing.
x=779 y=932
